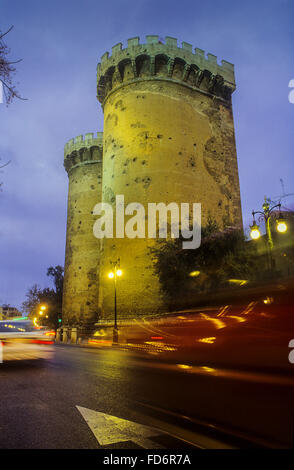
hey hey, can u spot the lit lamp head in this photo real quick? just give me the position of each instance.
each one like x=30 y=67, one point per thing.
x=281 y=226
x=254 y=232
x=194 y=274
x=111 y=275
x=119 y=272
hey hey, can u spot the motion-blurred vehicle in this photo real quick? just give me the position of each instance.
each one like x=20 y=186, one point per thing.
x=22 y=340
x=252 y=329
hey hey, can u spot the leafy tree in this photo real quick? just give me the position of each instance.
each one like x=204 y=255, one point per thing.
x=57 y=276
x=222 y=255
x=35 y=297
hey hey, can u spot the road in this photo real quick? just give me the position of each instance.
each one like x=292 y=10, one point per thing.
x=48 y=405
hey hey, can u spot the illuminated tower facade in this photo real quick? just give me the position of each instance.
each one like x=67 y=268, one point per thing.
x=168 y=137
x=83 y=163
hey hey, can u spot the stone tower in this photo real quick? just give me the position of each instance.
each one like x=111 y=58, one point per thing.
x=168 y=137
x=83 y=163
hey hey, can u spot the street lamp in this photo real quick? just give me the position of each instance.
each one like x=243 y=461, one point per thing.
x=254 y=232
x=114 y=274
x=266 y=214
x=42 y=309
x=281 y=226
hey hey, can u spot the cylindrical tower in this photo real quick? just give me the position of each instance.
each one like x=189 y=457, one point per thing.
x=168 y=137
x=83 y=163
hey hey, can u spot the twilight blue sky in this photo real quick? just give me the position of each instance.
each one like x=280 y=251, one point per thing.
x=61 y=42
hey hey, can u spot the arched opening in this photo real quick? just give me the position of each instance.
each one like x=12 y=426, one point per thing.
x=161 y=64
x=191 y=80
x=126 y=70
x=143 y=65
x=178 y=69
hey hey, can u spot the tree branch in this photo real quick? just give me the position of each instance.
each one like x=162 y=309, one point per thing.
x=15 y=62
x=8 y=31
x=12 y=91
x=5 y=164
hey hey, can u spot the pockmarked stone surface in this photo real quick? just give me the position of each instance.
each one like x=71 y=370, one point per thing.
x=83 y=163
x=168 y=137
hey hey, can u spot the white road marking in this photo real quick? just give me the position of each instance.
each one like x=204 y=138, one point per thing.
x=109 y=429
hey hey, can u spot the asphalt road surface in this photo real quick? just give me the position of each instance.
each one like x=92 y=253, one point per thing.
x=82 y=397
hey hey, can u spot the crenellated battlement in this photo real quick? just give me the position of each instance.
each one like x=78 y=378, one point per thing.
x=160 y=59
x=89 y=140
x=83 y=149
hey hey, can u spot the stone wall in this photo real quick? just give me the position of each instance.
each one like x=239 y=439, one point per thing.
x=168 y=137
x=83 y=162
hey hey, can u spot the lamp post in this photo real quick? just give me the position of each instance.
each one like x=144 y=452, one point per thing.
x=267 y=214
x=42 y=310
x=114 y=274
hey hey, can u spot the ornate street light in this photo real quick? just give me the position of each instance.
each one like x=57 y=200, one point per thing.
x=114 y=274
x=267 y=214
x=281 y=225
x=254 y=231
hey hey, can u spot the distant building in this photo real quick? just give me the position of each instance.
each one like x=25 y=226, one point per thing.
x=7 y=312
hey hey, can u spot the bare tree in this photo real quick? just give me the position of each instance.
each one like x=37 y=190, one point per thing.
x=7 y=70
x=2 y=166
